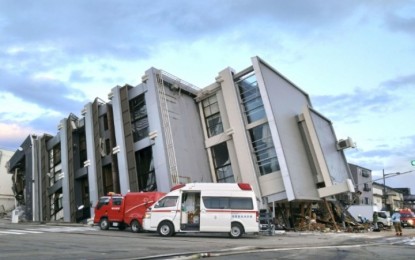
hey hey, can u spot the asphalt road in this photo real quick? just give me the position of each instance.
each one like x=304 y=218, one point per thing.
x=35 y=241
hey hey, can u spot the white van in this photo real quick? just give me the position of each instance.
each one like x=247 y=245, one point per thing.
x=205 y=207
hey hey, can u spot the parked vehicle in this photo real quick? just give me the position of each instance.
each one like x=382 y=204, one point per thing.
x=120 y=211
x=366 y=212
x=407 y=218
x=205 y=207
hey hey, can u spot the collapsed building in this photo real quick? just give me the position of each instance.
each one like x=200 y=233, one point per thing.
x=252 y=126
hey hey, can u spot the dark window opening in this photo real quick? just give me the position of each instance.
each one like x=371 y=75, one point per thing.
x=264 y=150
x=251 y=98
x=222 y=163
x=146 y=172
x=139 y=119
x=212 y=116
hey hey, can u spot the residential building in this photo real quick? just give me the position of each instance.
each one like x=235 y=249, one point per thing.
x=378 y=199
x=362 y=178
x=7 y=202
x=251 y=126
x=408 y=198
x=392 y=198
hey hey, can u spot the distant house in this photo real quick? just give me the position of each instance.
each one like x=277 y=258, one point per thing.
x=362 y=178
x=7 y=202
x=392 y=198
x=408 y=198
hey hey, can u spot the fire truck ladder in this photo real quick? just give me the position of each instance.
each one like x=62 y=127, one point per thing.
x=171 y=154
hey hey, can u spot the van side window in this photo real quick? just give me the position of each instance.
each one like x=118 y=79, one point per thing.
x=216 y=202
x=116 y=201
x=228 y=203
x=170 y=201
x=242 y=203
x=382 y=214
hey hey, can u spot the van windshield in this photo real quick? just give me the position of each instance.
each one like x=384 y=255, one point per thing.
x=169 y=201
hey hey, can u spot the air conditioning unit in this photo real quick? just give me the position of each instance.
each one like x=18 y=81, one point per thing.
x=344 y=144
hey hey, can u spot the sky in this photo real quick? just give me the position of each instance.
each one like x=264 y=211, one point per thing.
x=354 y=58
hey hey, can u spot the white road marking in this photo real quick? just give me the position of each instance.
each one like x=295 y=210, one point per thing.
x=45 y=230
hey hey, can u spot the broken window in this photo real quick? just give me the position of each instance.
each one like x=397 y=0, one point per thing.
x=56 y=205
x=251 y=98
x=145 y=168
x=139 y=118
x=264 y=150
x=55 y=166
x=212 y=116
x=222 y=163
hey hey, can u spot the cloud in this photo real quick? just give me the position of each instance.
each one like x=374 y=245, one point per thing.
x=79 y=76
x=47 y=93
x=385 y=156
x=390 y=96
x=402 y=20
x=12 y=135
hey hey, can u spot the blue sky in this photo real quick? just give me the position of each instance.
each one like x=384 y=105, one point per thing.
x=355 y=59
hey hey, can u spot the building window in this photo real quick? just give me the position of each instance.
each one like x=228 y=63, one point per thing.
x=366 y=187
x=139 y=118
x=146 y=172
x=82 y=150
x=365 y=173
x=251 y=98
x=55 y=166
x=212 y=116
x=107 y=179
x=56 y=205
x=264 y=149
x=222 y=163
x=105 y=121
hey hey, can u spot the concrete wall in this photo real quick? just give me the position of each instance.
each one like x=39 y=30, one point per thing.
x=283 y=101
x=6 y=193
x=187 y=135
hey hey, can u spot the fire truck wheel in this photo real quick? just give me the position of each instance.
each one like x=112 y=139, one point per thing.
x=236 y=230
x=135 y=226
x=104 y=224
x=165 y=229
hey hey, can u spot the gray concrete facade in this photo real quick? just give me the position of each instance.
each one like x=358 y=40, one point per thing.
x=179 y=148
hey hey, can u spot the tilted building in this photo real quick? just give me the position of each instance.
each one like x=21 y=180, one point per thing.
x=251 y=126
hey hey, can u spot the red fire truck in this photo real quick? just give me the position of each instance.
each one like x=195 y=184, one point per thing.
x=115 y=210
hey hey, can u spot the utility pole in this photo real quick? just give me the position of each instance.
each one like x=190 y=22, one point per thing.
x=384 y=190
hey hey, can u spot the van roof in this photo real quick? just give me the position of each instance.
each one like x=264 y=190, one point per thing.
x=213 y=186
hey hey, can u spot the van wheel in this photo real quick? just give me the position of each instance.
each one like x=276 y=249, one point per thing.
x=165 y=229
x=104 y=224
x=135 y=226
x=236 y=230
x=380 y=225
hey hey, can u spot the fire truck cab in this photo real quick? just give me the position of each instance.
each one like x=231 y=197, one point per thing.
x=115 y=210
